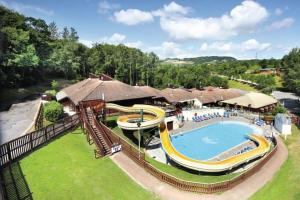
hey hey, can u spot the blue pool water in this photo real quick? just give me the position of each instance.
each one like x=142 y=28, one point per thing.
x=209 y=141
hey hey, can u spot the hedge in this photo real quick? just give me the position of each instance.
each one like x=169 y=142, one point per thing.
x=53 y=111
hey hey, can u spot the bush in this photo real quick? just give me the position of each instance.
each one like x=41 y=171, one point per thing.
x=51 y=92
x=53 y=111
x=278 y=109
x=54 y=85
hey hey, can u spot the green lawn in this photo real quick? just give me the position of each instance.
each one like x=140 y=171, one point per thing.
x=67 y=169
x=242 y=86
x=286 y=183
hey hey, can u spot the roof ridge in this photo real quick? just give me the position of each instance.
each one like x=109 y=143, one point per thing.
x=100 y=82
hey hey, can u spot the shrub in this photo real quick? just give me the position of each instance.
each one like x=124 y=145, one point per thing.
x=52 y=92
x=54 y=85
x=278 y=109
x=53 y=111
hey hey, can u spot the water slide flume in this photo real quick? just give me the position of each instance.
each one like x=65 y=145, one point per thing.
x=156 y=118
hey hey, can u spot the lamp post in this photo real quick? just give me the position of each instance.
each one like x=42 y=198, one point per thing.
x=139 y=125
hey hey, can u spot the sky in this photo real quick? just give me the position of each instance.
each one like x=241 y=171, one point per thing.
x=178 y=29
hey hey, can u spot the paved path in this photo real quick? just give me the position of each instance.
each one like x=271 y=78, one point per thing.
x=17 y=120
x=167 y=192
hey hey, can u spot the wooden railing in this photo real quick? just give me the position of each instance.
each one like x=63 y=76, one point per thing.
x=106 y=138
x=139 y=158
x=38 y=122
x=100 y=152
x=18 y=147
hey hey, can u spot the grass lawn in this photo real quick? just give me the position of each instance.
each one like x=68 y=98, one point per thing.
x=285 y=184
x=242 y=86
x=67 y=169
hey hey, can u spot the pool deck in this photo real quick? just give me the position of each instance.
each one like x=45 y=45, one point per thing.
x=242 y=191
x=190 y=125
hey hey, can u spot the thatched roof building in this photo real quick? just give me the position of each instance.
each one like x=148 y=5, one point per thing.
x=177 y=95
x=214 y=95
x=254 y=100
x=102 y=87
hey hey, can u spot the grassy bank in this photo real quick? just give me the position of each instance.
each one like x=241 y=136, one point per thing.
x=189 y=176
x=241 y=86
x=285 y=184
x=67 y=169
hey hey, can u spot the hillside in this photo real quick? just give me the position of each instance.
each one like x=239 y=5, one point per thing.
x=209 y=59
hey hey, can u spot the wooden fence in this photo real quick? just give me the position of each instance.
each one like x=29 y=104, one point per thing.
x=38 y=122
x=139 y=158
x=18 y=147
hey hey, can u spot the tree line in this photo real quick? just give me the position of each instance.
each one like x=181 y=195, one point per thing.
x=32 y=50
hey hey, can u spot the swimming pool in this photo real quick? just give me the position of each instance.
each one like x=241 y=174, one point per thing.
x=209 y=141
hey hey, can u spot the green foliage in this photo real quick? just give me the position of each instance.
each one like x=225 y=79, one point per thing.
x=217 y=81
x=264 y=81
x=291 y=69
x=51 y=92
x=278 y=109
x=54 y=85
x=210 y=59
x=53 y=111
x=194 y=76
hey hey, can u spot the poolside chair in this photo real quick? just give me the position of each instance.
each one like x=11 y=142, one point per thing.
x=198 y=119
x=194 y=119
x=207 y=117
x=203 y=117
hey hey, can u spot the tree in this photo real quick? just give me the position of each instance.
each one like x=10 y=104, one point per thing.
x=54 y=34
x=291 y=70
x=263 y=63
x=63 y=59
x=65 y=33
x=73 y=34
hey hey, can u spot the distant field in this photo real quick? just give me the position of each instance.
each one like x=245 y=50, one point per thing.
x=67 y=169
x=285 y=184
x=242 y=86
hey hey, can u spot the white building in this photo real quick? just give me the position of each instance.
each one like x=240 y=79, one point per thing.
x=283 y=124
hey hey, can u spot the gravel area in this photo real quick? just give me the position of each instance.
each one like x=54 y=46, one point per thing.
x=17 y=120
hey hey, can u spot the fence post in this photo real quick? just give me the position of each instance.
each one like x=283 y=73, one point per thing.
x=31 y=142
x=8 y=152
x=64 y=122
x=45 y=133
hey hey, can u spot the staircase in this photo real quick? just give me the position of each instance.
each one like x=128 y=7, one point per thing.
x=97 y=132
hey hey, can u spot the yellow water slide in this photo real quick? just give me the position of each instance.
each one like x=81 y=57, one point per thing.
x=156 y=118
